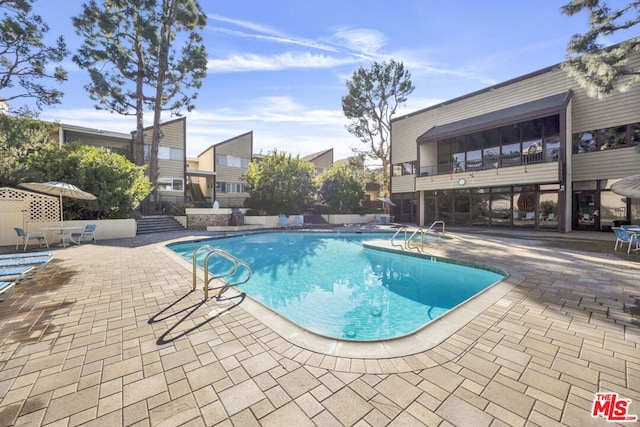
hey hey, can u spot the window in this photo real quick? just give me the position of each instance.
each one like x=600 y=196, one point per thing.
x=406 y=168
x=230 y=187
x=232 y=161
x=164 y=153
x=606 y=139
x=530 y=141
x=170 y=184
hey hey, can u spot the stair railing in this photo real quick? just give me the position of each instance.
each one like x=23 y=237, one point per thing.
x=401 y=229
x=211 y=251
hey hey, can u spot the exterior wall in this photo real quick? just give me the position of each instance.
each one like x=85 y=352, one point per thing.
x=173 y=136
x=321 y=160
x=241 y=146
x=587 y=113
x=583 y=114
x=120 y=145
x=608 y=164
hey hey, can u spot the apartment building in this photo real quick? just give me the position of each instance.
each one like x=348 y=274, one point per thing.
x=171 y=151
x=216 y=173
x=534 y=152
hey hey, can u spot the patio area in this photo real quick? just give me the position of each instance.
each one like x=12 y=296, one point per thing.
x=111 y=334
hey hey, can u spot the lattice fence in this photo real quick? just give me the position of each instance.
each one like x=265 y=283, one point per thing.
x=35 y=207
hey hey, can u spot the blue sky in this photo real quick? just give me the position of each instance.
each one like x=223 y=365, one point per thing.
x=278 y=67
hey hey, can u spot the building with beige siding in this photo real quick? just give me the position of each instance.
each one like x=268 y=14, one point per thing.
x=171 y=151
x=534 y=152
x=172 y=160
x=320 y=160
x=216 y=173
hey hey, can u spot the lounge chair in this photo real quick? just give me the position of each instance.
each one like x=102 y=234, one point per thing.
x=89 y=231
x=15 y=274
x=26 y=254
x=284 y=221
x=24 y=261
x=623 y=236
x=5 y=290
x=300 y=221
x=25 y=237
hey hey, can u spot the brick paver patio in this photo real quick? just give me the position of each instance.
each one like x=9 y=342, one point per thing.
x=110 y=334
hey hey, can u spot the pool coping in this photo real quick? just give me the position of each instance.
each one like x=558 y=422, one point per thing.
x=425 y=338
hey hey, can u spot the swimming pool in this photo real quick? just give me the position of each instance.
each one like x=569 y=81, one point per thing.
x=332 y=285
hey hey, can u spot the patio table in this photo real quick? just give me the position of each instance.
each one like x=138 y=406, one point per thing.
x=64 y=231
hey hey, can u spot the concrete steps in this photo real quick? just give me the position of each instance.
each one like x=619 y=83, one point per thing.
x=158 y=224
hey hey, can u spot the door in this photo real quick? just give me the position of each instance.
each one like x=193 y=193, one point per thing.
x=586 y=214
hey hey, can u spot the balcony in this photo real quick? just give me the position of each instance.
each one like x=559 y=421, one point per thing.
x=535 y=156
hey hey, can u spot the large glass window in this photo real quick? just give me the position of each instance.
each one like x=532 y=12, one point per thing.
x=606 y=139
x=232 y=161
x=501 y=207
x=164 y=153
x=480 y=207
x=548 y=209
x=531 y=141
x=612 y=207
x=462 y=211
x=405 y=168
x=524 y=209
x=444 y=205
x=170 y=184
x=230 y=187
x=611 y=138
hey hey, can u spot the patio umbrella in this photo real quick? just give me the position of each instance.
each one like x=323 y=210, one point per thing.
x=628 y=187
x=60 y=189
x=386 y=201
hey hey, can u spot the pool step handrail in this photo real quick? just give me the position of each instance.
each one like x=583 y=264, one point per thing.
x=407 y=241
x=207 y=280
x=403 y=229
x=431 y=227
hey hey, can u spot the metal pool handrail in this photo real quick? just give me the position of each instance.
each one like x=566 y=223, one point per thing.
x=434 y=224
x=407 y=242
x=422 y=231
x=214 y=251
x=398 y=232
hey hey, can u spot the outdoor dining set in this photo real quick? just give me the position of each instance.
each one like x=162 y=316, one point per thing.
x=627 y=234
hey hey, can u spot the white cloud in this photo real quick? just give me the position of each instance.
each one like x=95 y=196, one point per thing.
x=362 y=40
x=254 y=62
x=244 y=24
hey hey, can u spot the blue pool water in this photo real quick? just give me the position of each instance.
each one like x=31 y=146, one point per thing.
x=330 y=284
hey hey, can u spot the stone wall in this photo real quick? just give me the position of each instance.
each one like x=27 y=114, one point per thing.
x=202 y=221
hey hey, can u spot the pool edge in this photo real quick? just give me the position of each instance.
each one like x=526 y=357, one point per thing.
x=426 y=338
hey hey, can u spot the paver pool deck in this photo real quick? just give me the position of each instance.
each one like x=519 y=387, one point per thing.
x=111 y=334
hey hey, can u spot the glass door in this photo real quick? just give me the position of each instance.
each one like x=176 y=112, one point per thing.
x=586 y=215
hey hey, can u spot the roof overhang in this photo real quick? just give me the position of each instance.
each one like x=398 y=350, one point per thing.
x=200 y=173
x=527 y=111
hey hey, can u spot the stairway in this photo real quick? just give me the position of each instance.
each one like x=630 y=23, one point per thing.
x=315 y=220
x=158 y=224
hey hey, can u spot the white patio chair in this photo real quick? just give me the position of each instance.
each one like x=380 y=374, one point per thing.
x=25 y=237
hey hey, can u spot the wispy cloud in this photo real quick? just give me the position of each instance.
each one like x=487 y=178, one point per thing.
x=361 y=40
x=274 y=39
x=244 y=24
x=288 y=60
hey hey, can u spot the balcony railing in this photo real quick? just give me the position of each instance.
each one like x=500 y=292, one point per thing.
x=492 y=162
